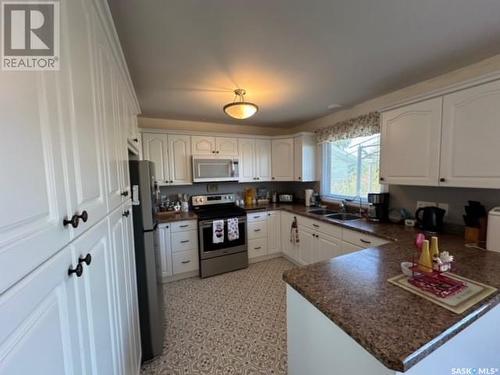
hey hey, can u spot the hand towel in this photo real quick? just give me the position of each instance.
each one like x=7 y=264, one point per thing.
x=233 y=232
x=218 y=231
x=294 y=232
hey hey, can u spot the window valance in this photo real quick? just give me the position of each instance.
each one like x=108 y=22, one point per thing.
x=363 y=125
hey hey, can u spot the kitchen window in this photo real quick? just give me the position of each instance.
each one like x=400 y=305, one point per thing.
x=351 y=167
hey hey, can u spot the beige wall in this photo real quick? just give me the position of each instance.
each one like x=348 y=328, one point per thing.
x=490 y=65
x=200 y=126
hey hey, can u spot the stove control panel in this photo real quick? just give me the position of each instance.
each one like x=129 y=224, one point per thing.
x=202 y=200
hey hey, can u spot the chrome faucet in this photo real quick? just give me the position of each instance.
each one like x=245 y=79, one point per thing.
x=343 y=206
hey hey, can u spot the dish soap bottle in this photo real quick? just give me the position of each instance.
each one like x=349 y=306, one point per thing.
x=425 y=261
x=434 y=247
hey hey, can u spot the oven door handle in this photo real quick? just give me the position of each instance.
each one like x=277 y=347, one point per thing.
x=209 y=223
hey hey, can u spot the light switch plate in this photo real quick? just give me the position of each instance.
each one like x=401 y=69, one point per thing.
x=425 y=204
x=444 y=206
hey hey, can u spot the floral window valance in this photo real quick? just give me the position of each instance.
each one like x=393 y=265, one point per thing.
x=360 y=126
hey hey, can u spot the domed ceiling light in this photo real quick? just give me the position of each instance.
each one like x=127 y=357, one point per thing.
x=239 y=108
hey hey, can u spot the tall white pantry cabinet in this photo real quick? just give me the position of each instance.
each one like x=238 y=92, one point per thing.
x=68 y=296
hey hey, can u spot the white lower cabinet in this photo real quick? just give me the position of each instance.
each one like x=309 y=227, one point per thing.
x=257 y=247
x=288 y=247
x=75 y=314
x=176 y=245
x=185 y=261
x=40 y=333
x=273 y=232
x=264 y=233
x=319 y=240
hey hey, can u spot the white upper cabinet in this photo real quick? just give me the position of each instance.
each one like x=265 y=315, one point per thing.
x=255 y=159
x=282 y=159
x=410 y=144
x=113 y=133
x=155 y=147
x=263 y=159
x=226 y=146
x=202 y=145
x=247 y=159
x=179 y=159
x=84 y=131
x=305 y=157
x=216 y=146
x=32 y=193
x=171 y=155
x=471 y=138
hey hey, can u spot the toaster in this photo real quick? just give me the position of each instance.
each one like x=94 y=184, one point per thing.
x=288 y=198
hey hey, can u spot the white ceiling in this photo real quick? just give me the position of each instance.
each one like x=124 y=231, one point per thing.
x=294 y=57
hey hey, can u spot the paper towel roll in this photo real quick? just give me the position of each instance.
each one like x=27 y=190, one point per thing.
x=309 y=193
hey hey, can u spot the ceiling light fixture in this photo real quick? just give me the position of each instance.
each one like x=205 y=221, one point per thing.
x=239 y=108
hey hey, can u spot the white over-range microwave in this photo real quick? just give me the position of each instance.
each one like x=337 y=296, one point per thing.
x=213 y=169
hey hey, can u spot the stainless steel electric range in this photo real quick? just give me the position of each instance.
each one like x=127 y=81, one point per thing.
x=226 y=254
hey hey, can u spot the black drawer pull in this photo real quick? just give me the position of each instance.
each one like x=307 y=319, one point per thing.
x=365 y=241
x=257 y=248
x=184 y=226
x=256 y=217
x=73 y=221
x=316 y=225
x=78 y=270
x=256 y=230
x=186 y=261
x=84 y=216
x=185 y=241
x=87 y=260
x=126 y=213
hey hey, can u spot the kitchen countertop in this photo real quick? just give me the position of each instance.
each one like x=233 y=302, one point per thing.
x=396 y=326
x=353 y=292
x=171 y=216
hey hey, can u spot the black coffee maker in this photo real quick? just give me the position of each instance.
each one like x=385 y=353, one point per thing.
x=378 y=206
x=430 y=219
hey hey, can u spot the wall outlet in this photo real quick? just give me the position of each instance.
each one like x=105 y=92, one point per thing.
x=425 y=204
x=444 y=206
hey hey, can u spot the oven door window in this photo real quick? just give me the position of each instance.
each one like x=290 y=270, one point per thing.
x=207 y=238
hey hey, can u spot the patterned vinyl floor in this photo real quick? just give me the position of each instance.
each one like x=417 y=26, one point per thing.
x=233 y=323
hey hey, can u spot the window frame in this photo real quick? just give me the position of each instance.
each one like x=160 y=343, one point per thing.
x=325 y=178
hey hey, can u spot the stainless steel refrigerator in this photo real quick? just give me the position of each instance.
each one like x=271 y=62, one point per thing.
x=149 y=283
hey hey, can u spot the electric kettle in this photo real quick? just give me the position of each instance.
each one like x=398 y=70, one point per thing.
x=430 y=219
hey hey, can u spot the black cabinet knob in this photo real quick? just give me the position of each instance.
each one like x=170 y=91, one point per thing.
x=86 y=260
x=442 y=179
x=78 y=270
x=381 y=179
x=73 y=221
x=84 y=216
x=126 y=213
x=136 y=140
x=125 y=193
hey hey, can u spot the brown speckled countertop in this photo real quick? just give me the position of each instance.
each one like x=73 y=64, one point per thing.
x=170 y=216
x=352 y=290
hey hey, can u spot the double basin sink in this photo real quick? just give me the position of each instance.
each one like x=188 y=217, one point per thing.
x=343 y=216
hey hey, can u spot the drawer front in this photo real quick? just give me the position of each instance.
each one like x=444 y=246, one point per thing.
x=257 y=247
x=257 y=229
x=361 y=239
x=182 y=226
x=182 y=241
x=257 y=216
x=320 y=226
x=185 y=261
